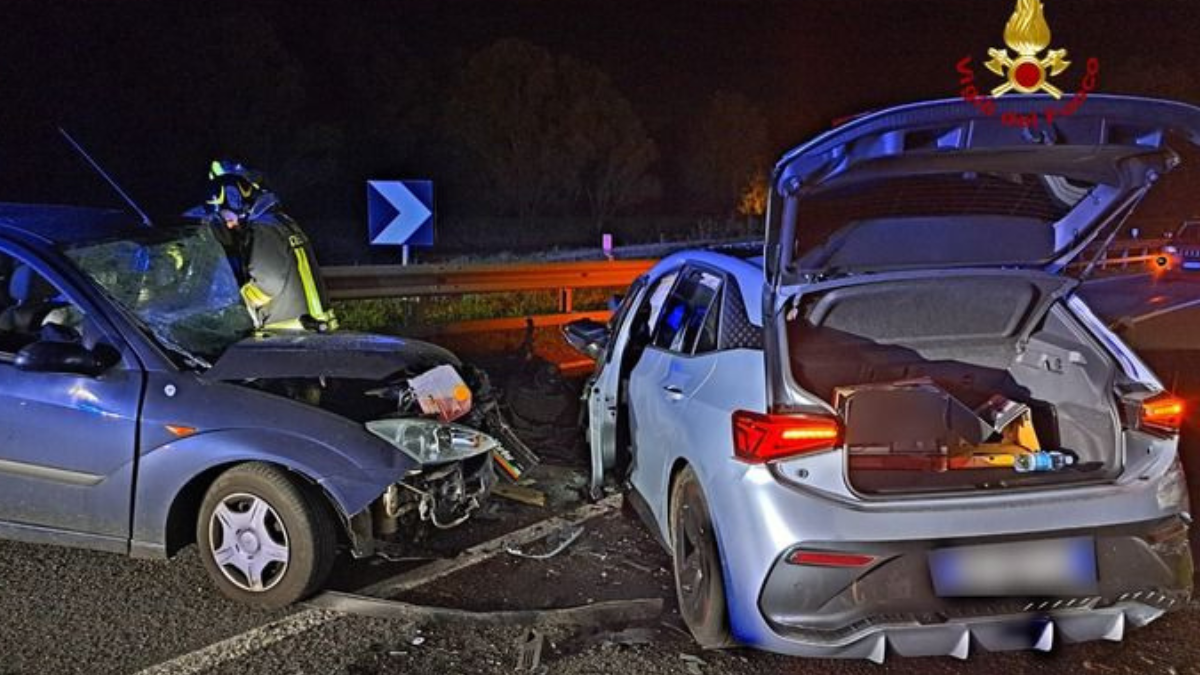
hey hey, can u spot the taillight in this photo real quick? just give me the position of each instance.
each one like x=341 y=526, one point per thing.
x=1162 y=413
x=830 y=559
x=759 y=438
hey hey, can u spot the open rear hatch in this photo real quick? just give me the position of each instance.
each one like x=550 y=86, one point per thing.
x=920 y=260
x=963 y=381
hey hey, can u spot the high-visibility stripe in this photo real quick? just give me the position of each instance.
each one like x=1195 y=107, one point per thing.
x=290 y=324
x=219 y=199
x=254 y=296
x=311 y=297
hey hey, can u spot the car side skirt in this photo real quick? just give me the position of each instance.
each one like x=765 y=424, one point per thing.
x=33 y=534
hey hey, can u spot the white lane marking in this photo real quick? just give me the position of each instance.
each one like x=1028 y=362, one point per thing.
x=1165 y=310
x=257 y=639
x=244 y=644
x=1119 y=277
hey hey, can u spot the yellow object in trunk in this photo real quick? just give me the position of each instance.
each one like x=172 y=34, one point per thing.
x=989 y=456
x=1022 y=433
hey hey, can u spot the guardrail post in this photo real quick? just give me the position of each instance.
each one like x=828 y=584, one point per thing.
x=566 y=300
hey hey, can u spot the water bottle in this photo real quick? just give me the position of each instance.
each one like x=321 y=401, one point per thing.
x=1034 y=462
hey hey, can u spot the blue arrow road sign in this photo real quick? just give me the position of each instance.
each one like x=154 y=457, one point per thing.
x=400 y=212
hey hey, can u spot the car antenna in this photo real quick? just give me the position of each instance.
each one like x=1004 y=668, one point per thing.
x=103 y=174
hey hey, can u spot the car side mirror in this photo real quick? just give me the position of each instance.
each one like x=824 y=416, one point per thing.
x=588 y=337
x=65 y=357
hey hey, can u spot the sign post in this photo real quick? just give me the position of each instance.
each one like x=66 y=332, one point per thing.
x=400 y=213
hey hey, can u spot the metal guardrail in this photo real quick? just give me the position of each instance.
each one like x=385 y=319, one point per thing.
x=1125 y=252
x=394 y=281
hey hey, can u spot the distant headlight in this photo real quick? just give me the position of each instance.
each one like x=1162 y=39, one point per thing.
x=1170 y=249
x=432 y=442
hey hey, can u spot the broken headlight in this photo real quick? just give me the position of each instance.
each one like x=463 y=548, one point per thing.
x=432 y=442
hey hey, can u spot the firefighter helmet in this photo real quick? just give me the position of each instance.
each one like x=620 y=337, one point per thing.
x=235 y=186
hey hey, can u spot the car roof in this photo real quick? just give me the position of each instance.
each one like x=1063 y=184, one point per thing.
x=60 y=224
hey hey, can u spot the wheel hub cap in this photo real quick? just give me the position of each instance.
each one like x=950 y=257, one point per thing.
x=249 y=543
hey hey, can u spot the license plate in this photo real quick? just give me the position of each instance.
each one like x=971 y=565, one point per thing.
x=1191 y=265
x=1055 y=567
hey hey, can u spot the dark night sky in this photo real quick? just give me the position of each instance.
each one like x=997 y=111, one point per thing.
x=122 y=74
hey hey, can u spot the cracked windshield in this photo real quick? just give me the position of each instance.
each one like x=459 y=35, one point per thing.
x=177 y=282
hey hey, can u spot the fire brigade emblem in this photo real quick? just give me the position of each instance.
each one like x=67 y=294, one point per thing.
x=1027 y=34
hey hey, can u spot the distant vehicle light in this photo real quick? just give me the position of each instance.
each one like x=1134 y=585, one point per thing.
x=1171 y=250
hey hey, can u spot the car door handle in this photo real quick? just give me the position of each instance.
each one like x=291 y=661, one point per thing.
x=673 y=392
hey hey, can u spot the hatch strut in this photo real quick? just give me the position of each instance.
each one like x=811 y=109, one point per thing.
x=1103 y=250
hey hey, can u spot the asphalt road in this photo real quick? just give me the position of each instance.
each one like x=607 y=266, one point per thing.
x=69 y=611
x=1138 y=298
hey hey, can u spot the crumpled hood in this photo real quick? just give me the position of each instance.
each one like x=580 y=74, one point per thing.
x=335 y=355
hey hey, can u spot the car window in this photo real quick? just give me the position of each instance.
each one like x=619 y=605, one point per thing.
x=689 y=321
x=658 y=297
x=624 y=313
x=32 y=308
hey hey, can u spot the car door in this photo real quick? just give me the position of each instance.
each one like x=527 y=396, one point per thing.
x=67 y=441
x=673 y=368
x=608 y=400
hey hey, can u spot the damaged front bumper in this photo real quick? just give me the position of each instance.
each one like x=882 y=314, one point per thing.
x=452 y=477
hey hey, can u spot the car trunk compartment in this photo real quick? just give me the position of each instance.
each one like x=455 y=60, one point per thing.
x=913 y=364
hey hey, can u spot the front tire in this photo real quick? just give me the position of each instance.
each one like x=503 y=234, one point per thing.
x=265 y=538
x=699 y=582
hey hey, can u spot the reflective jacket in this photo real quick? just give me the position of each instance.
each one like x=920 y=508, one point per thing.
x=283 y=282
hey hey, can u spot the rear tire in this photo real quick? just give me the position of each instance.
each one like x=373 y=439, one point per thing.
x=699 y=579
x=266 y=539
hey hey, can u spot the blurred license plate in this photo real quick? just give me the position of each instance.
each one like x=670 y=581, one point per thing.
x=1190 y=265
x=1047 y=567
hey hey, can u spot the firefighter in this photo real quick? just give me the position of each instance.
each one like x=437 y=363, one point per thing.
x=271 y=256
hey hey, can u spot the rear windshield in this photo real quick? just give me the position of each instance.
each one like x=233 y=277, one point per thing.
x=943 y=219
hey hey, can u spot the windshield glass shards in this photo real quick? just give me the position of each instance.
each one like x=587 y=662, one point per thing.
x=178 y=283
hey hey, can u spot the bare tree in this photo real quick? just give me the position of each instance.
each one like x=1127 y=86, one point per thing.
x=548 y=132
x=502 y=110
x=606 y=134
x=727 y=145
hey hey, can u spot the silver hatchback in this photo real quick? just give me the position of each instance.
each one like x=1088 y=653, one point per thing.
x=896 y=428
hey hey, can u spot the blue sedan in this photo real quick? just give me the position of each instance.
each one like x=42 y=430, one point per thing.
x=141 y=413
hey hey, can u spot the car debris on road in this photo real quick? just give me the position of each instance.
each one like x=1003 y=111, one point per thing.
x=556 y=542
